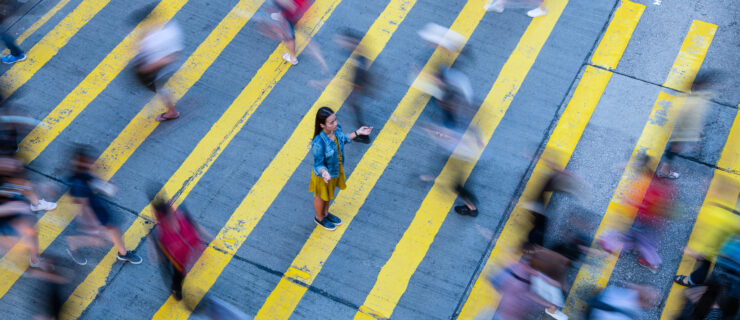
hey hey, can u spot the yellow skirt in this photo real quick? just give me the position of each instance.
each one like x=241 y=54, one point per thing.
x=326 y=190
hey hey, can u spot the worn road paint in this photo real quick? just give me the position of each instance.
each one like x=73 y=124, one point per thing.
x=690 y=57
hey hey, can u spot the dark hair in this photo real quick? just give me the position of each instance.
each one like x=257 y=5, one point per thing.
x=321 y=115
x=161 y=207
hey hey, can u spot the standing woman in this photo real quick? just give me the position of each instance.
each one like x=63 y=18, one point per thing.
x=328 y=155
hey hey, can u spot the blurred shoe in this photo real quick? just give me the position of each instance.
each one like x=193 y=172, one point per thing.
x=130 y=257
x=361 y=138
x=328 y=225
x=537 y=12
x=177 y=294
x=77 y=259
x=9 y=59
x=276 y=16
x=559 y=315
x=494 y=6
x=334 y=219
x=40 y=264
x=644 y=263
x=286 y=57
x=465 y=211
x=670 y=175
x=43 y=205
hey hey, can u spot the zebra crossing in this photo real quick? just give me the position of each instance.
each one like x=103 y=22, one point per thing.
x=292 y=281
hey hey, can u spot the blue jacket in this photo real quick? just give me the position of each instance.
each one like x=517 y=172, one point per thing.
x=325 y=155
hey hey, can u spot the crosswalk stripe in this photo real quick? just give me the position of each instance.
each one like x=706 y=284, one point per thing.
x=718 y=192
x=653 y=139
x=690 y=57
x=226 y=243
x=49 y=45
x=94 y=83
x=563 y=141
x=39 y=23
x=395 y=275
x=205 y=153
x=304 y=269
x=51 y=224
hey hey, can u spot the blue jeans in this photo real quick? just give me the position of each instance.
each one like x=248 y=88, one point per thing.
x=10 y=43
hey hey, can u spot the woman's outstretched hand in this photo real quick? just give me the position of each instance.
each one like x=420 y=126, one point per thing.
x=365 y=130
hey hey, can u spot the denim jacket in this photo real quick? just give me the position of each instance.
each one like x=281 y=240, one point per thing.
x=324 y=152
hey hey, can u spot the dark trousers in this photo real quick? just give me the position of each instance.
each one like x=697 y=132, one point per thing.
x=177 y=280
x=699 y=276
x=10 y=43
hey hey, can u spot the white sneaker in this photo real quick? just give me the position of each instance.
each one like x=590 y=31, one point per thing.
x=558 y=315
x=537 y=12
x=286 y=57
x=43 y=205
x=494 y=6
x=276 y=16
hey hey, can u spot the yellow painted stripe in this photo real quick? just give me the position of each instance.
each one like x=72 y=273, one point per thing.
x=617 y=34
x=395 y=275
x=717 y=193
x=690 y=57
x=39 y=23
x=94 y=83
x=207 y=150
x=263 y=192
x=49 y=45
x=282 y=301
x=561 y=145
x=591 y=277
x=51 y=224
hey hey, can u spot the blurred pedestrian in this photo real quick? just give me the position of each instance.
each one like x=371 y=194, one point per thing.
x=688 y=130
x=290 y=12
x=361 y=78
x=53 y=277
x=717 y=225
x=621 y=302
x=530 y=285
x=709 y=302
x=16 y=219
x=652 y=212
x=89 y=191
x=7 y=9
x=159 y=48
x=500 y=5
x=180 y=239
x=328 y=170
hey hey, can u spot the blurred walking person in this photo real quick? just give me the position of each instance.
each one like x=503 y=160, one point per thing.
x=688 y=130
x=89 y=191
x=290 y=12
x=361 y=78
x=499 y=6
x=180 y=240
x=328 y=170
x=718 y=224
x=621 y=302
x=159 y=48
x=7 y=9
x=652 y=211
x=709 y=302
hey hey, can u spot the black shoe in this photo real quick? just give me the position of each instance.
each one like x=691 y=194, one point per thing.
x=465 y=211
x=177 y=294
x=130 y=257
x=362 y=139
x=334 y=219
x=328 y=225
